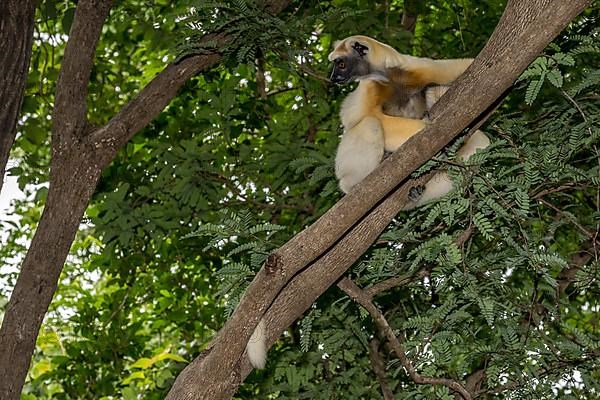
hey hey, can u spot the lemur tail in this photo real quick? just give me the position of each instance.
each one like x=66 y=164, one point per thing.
x=257 y=346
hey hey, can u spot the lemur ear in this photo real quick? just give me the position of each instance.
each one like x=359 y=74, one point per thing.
x=361 y=49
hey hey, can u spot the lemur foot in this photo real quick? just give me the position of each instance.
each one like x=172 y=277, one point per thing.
x=415 y=193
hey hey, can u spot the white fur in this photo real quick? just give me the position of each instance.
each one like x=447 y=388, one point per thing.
x=353 y=107
x=360 y=151
x=257 y=346
x=478 y=140
x=441 y=184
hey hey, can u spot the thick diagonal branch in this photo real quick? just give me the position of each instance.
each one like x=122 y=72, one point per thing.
x=525 y=29
x=149 y=102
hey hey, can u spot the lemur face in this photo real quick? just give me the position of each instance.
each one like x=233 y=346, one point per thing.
x=350 y=65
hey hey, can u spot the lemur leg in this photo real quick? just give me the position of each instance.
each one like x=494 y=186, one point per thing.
x=397 y=130
x=441 y=184
x=360 y=151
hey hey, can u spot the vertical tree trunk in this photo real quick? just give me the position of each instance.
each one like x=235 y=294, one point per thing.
x=16 y=32
x=74 y=180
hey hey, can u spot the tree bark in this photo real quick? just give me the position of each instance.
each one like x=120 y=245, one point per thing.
x=16 y=34
x=525 y=28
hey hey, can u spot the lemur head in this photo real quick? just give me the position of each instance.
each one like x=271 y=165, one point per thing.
x=358 y=56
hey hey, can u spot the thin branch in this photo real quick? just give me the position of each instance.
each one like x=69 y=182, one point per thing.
x=151 y=100
x=465 y=235
x=281 y=90
x=387 y=284
x=379 y=368
x=583 y=229
x=358 y=295
x=261 y=81
x=541 y=373
x=563 y=188
x=409 y=16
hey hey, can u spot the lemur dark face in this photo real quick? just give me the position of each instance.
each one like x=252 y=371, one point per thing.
x=347 y=68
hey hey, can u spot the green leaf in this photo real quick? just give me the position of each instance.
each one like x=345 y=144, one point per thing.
x=534 y=89
x=555 y=77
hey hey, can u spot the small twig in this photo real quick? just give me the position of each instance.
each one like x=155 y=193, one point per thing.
x=572 y=100
x=388 y=284
x=119 y=307
x=379 y=369
x=449 y=162
x=562 y=188
x=583 y=229
x=466 y=235
x=310 y=72
x=281 y=90
x=361 y=297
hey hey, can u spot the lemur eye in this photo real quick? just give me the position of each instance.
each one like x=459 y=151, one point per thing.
x=341 y=65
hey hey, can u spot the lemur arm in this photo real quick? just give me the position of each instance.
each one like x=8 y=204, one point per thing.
x=425 y=71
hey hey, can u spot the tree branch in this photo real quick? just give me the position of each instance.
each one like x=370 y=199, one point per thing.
x=155 y=96
x=300 y=293
x=409 y=16
x=389 y=283
x=589 y=234
x=72 y=181
x=150 y=101
x=358 y=295
x=379 y=369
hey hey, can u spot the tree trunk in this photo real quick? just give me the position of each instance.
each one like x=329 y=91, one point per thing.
x=73 y=183
x=526 y=27
x=16 y=33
